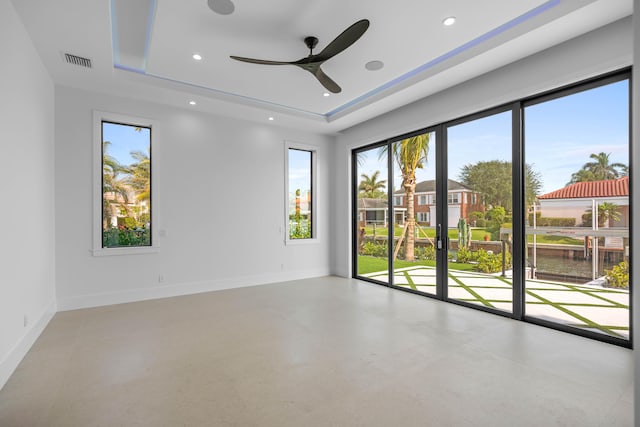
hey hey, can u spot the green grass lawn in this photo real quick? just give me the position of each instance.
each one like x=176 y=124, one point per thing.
x=369 y=264
x=476 y=234
x=557 y=240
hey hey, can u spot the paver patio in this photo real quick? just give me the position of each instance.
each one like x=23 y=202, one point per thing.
x=590 y=307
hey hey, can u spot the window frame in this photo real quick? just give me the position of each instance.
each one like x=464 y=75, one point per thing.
x=313 y=149
x=98 y=118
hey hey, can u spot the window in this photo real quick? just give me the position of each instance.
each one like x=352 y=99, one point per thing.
x=422 y=199
x=300 y=221
x=423 y=217
x=123 y=189
x=453 y=198
x=397 y=201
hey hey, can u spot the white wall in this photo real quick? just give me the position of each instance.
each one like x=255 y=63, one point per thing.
x=600 y=51
x=27 y=287
x=220 y=194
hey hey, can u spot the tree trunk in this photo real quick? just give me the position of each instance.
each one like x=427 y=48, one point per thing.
x=410 y=189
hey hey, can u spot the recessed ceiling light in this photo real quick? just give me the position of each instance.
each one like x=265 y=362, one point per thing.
x=192 y=102
x=326 y=94
x=197 y=56
x=221 y=7
x=271 y=119
x=449 y=21
x=374 y=65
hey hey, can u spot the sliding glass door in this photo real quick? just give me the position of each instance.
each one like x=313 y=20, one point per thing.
x=396 y=218
x=522 y=210
x=373 y=219
x=414 y=216
x=480 y=210
x=578 y=221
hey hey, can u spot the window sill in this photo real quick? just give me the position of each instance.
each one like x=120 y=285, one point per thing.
x=125 y=251
x=294 y=242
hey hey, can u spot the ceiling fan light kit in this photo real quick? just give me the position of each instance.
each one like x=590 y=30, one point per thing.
x=313 y=62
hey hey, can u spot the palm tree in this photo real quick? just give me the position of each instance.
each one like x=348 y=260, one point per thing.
x=599 y=170
x=607 y=212
x=583 y=175
x=114 y=187
x=140 y=176
x=370 y=186
x=410 y=154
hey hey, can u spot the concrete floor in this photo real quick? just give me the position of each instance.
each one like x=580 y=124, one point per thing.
x=316 y=352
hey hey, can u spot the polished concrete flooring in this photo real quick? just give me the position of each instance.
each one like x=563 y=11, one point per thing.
x=317 y=352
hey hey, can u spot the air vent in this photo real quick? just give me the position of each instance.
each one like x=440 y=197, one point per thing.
x=77 y=60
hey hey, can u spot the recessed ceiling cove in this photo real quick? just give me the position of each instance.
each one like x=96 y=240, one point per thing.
x=408 y=44
x=151 y=43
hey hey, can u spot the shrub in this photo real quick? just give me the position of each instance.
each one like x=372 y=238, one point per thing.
x=549 y=221
x=127 y=222
x=476 y=215
x=496 y=217
x=618 y=276
x=115 y=237
x=425 y=252
x=300 y=233
x=481 y=223
x=492 y=263
x=374 y=249
x=464 y=255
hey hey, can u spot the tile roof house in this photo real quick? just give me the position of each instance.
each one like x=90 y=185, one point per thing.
x=573 y=200
x=598 y=189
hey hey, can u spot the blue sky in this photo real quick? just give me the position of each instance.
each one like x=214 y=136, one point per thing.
x=559 y=137
x=299 y=172
x=124 y=139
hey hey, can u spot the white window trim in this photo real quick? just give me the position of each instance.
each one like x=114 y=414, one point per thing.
x=97 y=249
x=314 y=193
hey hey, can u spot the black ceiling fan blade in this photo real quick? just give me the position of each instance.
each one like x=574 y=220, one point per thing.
x=326 y=81
x=343 y=41
x=259 y=61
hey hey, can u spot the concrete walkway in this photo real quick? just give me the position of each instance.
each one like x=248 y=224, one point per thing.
x=589 y=307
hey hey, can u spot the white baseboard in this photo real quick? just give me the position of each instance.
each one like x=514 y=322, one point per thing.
x=172 y=290
x=17 y=353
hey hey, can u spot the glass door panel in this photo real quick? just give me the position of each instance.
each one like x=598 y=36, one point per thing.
x=414 y=213
x=577 y=227
x=371 y=172
x=479 y=210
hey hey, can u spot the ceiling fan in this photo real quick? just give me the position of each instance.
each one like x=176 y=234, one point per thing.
x=313 y=62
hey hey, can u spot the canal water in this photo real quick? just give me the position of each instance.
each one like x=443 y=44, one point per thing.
x=567 y=269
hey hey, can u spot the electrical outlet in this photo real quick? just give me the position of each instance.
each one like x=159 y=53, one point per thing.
x=25 y=320
x=161 y=278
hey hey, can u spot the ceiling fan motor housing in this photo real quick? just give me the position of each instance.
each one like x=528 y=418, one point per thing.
x=311 y=42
